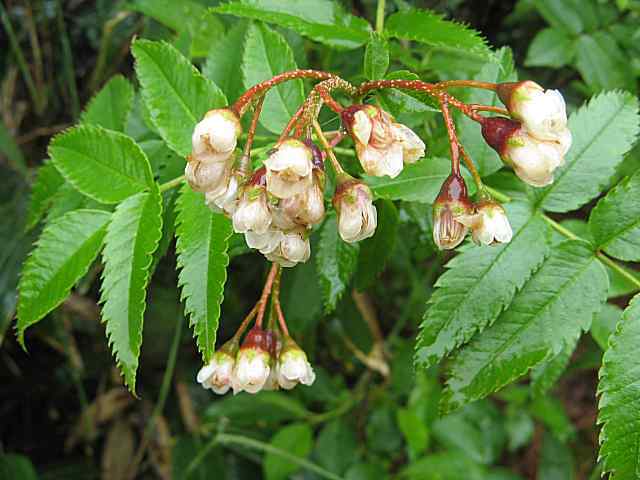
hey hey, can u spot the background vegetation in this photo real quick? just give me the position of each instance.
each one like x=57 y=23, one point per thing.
x=64 y=412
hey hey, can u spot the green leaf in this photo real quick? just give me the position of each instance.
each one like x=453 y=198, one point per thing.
x=479 y=284
x=224 y=61
x=545 y=375
x=562 y=14
x=550 y=48
x=551 y=412
x=556 y=460
x=110 y=108
x=604 y=324
x=336 y=447
x=419 y=182
x=550 y=311
x=430 y=28
x=615 y=220
x=375 y=251
x=603 y=131
x=602 y=64
x=414 y=430
x=175 y=92
x=619 y=390
x=202 y=243
x=502 y=70
x=63 y=254
x=175 y=15
x=324 y=21
x=105 y=165
x=397 y=101
x=376 y=57
x=11 y=150
x=266 y=54
x=132 y=237
x=44 y=188
x=67 y=199
x=17 y=467
x=444 y=465
x=296 y=439
x=336 y=262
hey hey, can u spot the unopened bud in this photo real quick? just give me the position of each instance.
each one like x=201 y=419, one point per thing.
x=451 y=203
x=216 y=135
x=207 y=177
x=253 y=362
x=357 y=215
x=289 y=169
x=252 y=213
x=293 y=366
x=217 y=374
x=294 y=247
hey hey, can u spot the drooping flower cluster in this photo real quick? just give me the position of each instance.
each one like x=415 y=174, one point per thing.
x=263 y=362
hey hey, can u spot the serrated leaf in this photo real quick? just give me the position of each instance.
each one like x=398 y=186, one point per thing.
x=545 y=375
x=419 y=182
x=324 y=21
x=375 y=251
x=336 y=261
x=202 y=243
x=266 y=54
x=63 y=254
x=430 y=28
x=502 y=70
x=478 y=284
x=376 y=57
x=297 y=439
x=176 y=94
x=398 y=101
x=551 y=310
x=602 y=63
x=132 y=237
x=110 y=108
x=615 y=220
x=67 y=199
x=44 y=188
x=224 y=61
x=603 y=131
x=619 y=390
x=105 y=165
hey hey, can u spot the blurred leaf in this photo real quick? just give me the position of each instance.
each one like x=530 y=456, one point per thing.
x=414 y=430
x=382 y=433
x=479 y=284
x=375 y=251
x=551 y=310
x=185 y=450
x=376 y=57
x=224 y=61
x=444 y=466
x=519 y=427
x=111 y=106
x=562 y=14
x=546 y=374
x=118 y=450
x=619 y=389
x=336 y=263
x=63 y=254
x=430 y=28
x=299 y=296
x=419 y=182
x=11 y=150
x=603 y=130
x=207 y=29
x=45 y=186
x=602 y=64
x=266 y=54
x=87 y=155
x=336 y=447
x=501 y=70
x=202 y=243
x=556 y=460
x=296 y=439
x=604 y=324
x=262 y=408
x=615 y=220
x=132 y=237
x=175 y=92
x=550 y=48
x=366 y=471
x=18 y=467
x=324 y=21
x=550 y=411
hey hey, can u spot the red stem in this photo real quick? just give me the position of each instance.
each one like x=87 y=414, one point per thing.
x=276 y=303
x=292 y=121
x=451 y=130
x=262 y=303
x=468 y=83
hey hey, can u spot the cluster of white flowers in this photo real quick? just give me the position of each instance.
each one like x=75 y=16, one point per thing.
x=538 y=147
x=383 y=146
x=262 y=363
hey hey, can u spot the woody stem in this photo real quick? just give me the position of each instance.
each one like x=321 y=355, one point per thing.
x=453 y=139
x=268 y=286
x=325 y=144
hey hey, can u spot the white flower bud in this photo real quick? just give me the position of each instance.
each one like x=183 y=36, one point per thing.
x=293 y=366
x=252 y=213
x=533 y=160
x=489 y=224
x=207 y=177
x=289 y=169
x=216 y=135
x=264 y=242
x=357 y=216
x=412 y=146
x=224 y=200
x=306 y=208
x=253 y=362
x=217 y=374
x=294 y=248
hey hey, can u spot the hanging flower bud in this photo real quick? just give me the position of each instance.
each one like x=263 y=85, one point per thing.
x=252 y=213
x=533 y=160
x=307 y=208
x=293 y=366
x=543 y=113
x=265 y=242
x=357 y=216
x=489 y=224
x=215 y=137
x=226 y=200
x=383 y=146
x=451 y=203
x=217 y=374
x=289 y=169
x=294 y=247
x=207 y=177
x=253 y=362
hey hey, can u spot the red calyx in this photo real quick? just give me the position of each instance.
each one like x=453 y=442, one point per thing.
x=259 y=177
x=454 y=189
x=316 y=155
x=497 y=130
